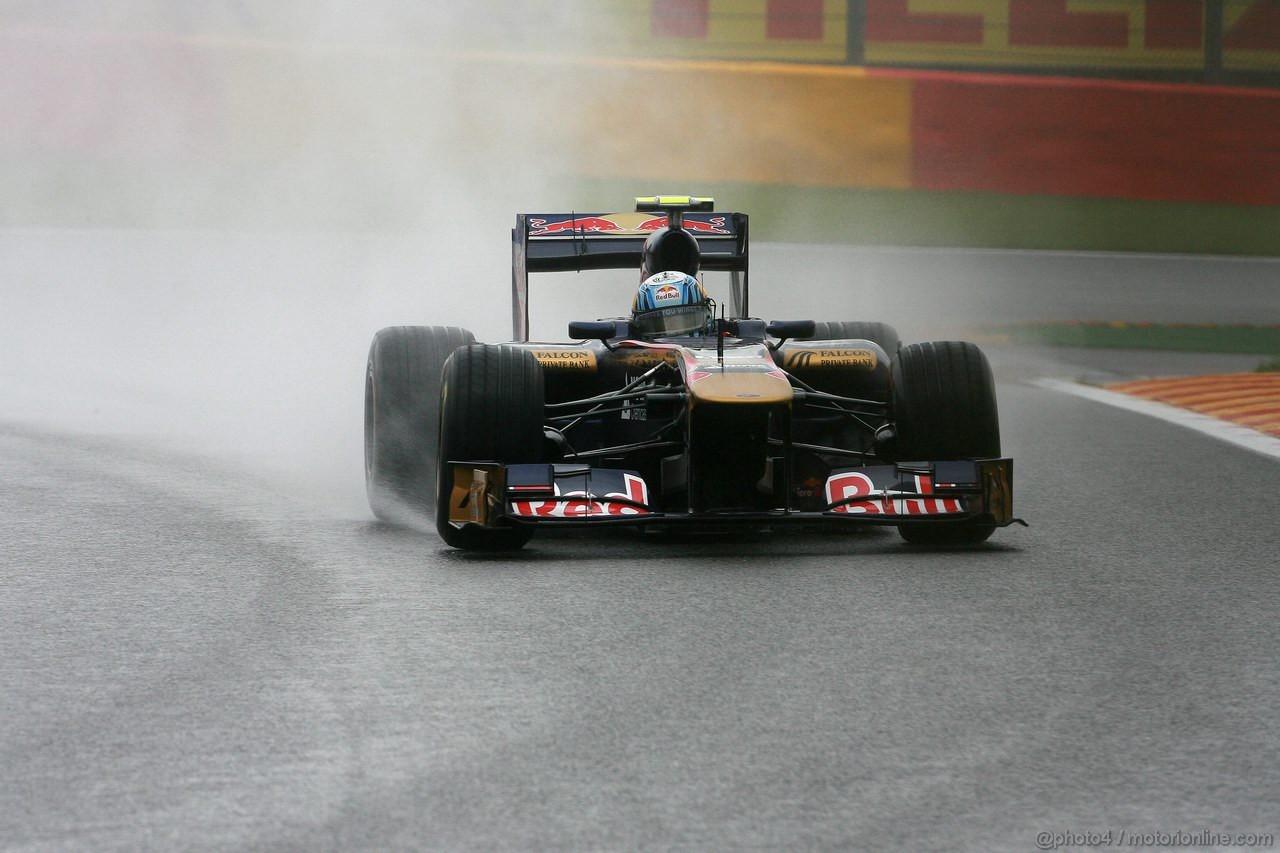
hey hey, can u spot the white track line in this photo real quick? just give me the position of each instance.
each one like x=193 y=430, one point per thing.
x=1241 y=436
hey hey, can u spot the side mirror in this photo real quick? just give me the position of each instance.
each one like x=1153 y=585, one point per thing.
x=784 y=329
x=750 y=328
x=598 y=330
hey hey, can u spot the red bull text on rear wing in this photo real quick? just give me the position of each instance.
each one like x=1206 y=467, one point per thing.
x=573 y=242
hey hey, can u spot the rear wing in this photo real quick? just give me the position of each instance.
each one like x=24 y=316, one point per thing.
x=569 y=242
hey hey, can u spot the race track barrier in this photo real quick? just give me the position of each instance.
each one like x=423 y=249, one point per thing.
x=138 y=125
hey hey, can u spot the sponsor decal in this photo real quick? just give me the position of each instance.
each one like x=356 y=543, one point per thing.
x=808 y=488
x=566 y=359
x=666 y=293
x=643 y=358
x=854 y=484
x=578 y=504
x=622 y=224
x=711 y=225
x=581 y=225
x=810 y=359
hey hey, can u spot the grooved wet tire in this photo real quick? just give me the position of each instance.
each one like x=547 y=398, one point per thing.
x=402 y=415
x=880 y=333
x=491 y=410
x=943 y=400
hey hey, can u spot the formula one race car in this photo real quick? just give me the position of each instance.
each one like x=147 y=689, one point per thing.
x=674 y=416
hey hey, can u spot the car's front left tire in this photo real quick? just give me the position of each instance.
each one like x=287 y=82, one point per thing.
x=881 y=334
x=943 y=403
x=491 y=410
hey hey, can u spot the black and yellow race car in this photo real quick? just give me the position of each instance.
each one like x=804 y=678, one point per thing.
x=735 y=421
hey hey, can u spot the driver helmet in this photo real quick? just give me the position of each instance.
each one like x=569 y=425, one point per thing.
x=670 y=303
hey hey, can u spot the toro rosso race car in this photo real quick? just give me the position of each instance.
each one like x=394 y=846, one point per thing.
x=679 y=415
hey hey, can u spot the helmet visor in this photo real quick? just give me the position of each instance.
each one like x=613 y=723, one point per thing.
x=664 y=322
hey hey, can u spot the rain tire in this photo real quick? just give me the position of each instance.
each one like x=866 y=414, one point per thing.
x=402 y=415
x=943 y=402
x=883 y=334
x=491 y=410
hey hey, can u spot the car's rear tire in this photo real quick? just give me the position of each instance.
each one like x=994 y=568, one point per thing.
x=402 y=415
x=879 y=333
x=943 y=402
x=491 y=410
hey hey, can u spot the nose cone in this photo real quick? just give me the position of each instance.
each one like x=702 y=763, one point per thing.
x=739 y=388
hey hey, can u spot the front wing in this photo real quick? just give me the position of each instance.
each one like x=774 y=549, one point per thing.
x=489 y=494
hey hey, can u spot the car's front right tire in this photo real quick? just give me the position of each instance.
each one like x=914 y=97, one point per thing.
x=943 y=403
x=401 y=416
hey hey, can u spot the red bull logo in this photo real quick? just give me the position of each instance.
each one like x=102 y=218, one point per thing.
x=622 y=223
x=711 y=225
x=586 y=224
x=666 y=293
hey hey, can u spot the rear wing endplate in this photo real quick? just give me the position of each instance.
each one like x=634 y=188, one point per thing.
x=573 y=242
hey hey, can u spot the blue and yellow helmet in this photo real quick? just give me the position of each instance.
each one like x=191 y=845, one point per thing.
x=670 y=303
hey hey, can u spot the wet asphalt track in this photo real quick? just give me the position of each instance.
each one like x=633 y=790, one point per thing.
x=199 y=656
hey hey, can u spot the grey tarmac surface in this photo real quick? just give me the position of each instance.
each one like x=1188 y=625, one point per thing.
x=200 y=653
